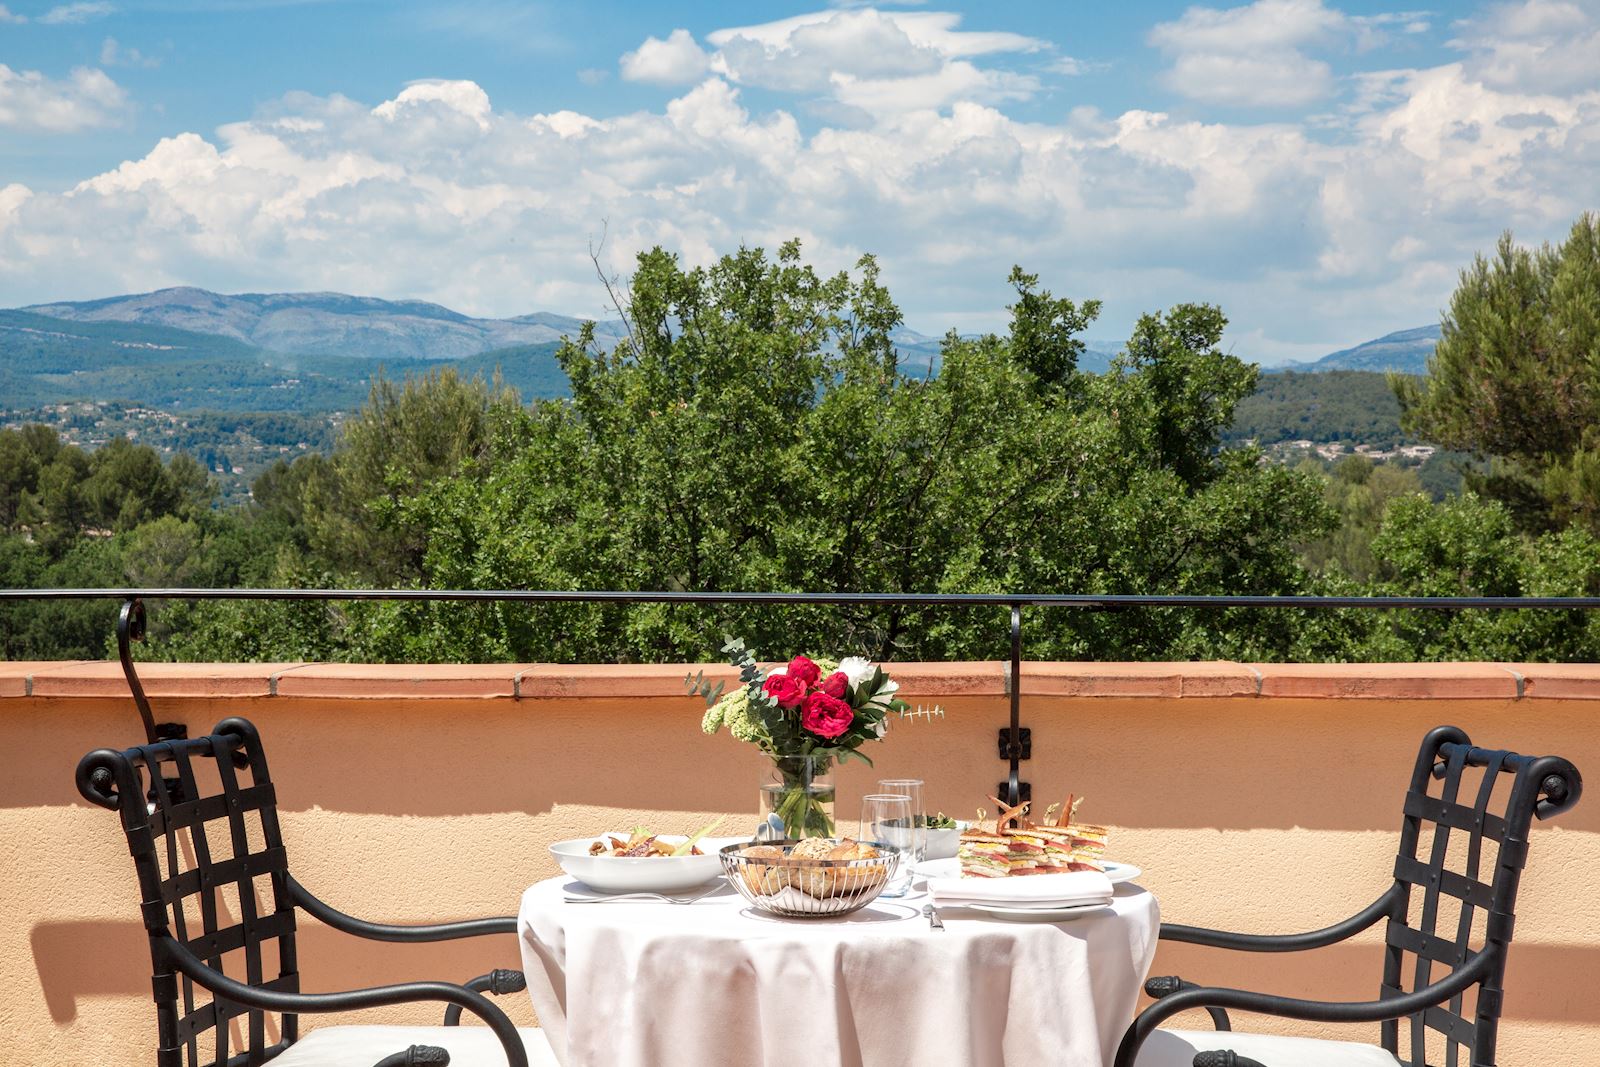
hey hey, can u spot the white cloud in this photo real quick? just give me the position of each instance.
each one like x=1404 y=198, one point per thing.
x=1073 y=67
x=866 y=61
x=31 y=101
x=114 y=54
x=74 y=14
x=7 y=16
x=675 y=61
x=438 y=99
x=1307 y=239
x=1547 y=44
x=1258 y=55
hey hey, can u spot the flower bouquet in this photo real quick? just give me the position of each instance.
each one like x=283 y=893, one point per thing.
x=805 y=716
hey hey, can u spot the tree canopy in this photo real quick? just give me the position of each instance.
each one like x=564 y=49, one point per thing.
x=1516 y=377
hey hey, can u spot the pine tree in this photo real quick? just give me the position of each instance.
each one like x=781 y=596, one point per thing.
x=1516 y=378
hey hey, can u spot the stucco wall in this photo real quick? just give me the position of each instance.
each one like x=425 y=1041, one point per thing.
x=1262 y=798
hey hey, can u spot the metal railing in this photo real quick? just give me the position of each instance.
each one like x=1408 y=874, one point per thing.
x=1015 y=740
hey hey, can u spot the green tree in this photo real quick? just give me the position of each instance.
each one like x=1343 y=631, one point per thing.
x=1516 y=377
x=1359 y=491
x=1469 y=546
x=755 y=433
x=407 y=435
x=1044 y=332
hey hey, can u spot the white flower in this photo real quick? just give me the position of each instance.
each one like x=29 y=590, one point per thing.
x=856 y=669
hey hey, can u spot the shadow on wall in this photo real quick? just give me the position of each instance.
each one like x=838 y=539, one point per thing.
x=1543 y=981
x=98 y=959
x=1192 y=763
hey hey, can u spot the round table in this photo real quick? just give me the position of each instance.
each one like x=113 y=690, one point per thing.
x=650 y=984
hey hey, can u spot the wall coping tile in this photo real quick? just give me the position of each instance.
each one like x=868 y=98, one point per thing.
x=918 y=681
x=387 y=681
x=1392 y=681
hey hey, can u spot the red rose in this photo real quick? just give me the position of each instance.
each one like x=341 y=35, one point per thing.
x=835 y=685
x=806 y=671
x=826 y=716
x=786 y=689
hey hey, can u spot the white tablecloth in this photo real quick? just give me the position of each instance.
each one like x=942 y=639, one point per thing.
x=716 y=982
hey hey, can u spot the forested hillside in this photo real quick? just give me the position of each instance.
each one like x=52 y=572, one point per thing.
x=1354 y=407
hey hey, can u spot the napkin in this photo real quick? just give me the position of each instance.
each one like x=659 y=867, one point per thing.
x=1031 y=891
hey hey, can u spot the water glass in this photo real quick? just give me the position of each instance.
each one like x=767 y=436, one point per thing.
x=887 y=819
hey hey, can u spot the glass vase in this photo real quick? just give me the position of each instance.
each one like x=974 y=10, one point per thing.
x=799 y=789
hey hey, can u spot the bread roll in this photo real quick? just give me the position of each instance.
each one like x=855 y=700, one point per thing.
x=855 y=879
x=761 y=879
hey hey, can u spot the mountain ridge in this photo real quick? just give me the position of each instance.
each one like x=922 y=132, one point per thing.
x=327 y=323
x=323 y=323
x=1405 y=351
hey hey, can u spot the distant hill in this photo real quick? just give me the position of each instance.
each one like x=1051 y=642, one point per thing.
x=330 y=324
x=47 y=360
x=1355 y=407
x=1406 y=351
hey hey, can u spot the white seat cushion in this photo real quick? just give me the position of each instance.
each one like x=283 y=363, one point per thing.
x=363 y=1046
x=1176 y=1048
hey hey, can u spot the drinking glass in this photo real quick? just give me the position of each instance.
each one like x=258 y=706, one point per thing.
x=910 y=787
x=888 y=821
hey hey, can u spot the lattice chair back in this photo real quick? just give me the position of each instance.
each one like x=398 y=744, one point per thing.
x=202 y=825
x=1463 y=845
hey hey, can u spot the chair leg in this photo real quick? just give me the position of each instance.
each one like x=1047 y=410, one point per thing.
x=417 y=1056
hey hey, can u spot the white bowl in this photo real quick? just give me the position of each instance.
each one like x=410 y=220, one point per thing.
x=943 y=844
x=641 y=874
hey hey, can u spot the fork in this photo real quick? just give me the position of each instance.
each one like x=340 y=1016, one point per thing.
x=661 y=897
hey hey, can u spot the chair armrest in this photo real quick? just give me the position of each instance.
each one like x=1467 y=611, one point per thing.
x=1476 y=967
x=337 y=919
x=1166 y=985
x=171 y=951
x=498 y=981
x=1328 y=935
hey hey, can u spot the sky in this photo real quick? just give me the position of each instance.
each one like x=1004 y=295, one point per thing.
x=1321 y=171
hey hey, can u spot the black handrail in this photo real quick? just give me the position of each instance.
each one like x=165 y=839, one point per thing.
x=1015 y=740
x=1085 y=601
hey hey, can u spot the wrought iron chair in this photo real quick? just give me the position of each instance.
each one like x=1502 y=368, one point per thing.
x=1457 y=919
x=201 y=820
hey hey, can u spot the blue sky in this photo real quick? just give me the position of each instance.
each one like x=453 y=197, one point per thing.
x=1320 y=170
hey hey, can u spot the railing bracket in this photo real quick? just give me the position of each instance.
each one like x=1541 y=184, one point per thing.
x=1021 y=748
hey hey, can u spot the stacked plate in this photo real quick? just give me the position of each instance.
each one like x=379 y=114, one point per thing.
x=1040 y=897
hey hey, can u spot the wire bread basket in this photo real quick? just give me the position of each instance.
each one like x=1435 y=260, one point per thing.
x=806 y=888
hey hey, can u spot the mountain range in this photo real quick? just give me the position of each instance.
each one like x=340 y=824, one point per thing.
x=328 y=324
x=1406 y=351
x=190 y=348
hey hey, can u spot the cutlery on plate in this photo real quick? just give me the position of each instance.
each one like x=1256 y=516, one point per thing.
x=934 y=922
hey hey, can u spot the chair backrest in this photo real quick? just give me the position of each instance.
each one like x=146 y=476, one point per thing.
x=1463 y=845
x=202 y=824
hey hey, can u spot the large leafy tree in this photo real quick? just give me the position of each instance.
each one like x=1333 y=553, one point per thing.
x=755 y=432
x=1516 y=377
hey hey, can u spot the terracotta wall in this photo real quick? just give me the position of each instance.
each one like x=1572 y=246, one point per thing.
x=1260 y=798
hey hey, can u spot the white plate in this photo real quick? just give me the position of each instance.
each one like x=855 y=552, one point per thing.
x=1035 y=915
x=641 y=874
x=951 y=868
